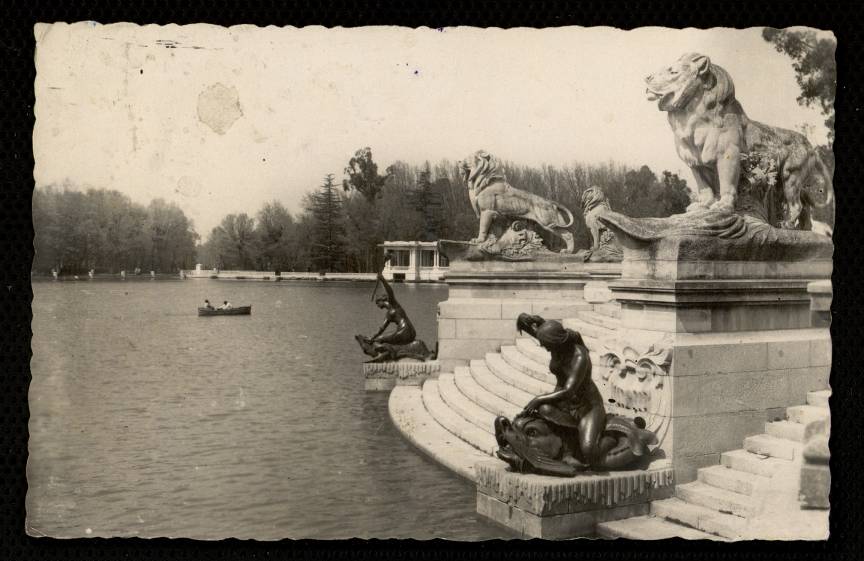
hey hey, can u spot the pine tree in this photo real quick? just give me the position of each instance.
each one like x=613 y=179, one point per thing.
x=429 y=202
x=328 y=227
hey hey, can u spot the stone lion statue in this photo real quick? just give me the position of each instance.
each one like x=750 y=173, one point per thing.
x=604 y=245
x=714 y=137
x=491 y=196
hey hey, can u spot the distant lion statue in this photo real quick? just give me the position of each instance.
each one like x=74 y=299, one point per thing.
x=713 y=135
x=604 y=246
x=491 y=196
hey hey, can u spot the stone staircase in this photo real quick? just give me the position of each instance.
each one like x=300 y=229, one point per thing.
x=734 y=499
x=451 y=418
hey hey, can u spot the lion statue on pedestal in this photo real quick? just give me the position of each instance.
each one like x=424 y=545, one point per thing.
x=604 y=247
x=491 y=196
x=716 y=139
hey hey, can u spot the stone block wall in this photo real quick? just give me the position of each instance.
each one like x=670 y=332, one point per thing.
x=726 y=387
x=740 y=357
x=480 y=315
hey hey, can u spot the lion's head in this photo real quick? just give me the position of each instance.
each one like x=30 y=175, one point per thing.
x=593 y=197
x=480 y=169
x=686 y=79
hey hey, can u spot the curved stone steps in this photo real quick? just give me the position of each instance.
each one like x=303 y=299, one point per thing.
x=538 y=354
x=650 y=528
x=806 y=414
x=767 y=445
x=700 y=517
x=737 y=481
x=718 y=499
x=743 y=460
x=530 y=348
x=463 y=405
x=416 y=424
x=591 y=332
x=498 y=366
x=609 y=309
x=597 y=347
x=481 y=396
x=527 y=365
x=492 y=383
x=786 y=429
x=601 y=320
x=454 y=422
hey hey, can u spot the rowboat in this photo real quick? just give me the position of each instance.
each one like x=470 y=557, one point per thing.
x=235 y=311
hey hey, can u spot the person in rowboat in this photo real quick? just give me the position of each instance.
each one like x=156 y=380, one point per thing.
x=208 y=305
x=226 y=305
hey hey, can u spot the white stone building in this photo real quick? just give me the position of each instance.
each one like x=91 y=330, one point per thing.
x=415 y=262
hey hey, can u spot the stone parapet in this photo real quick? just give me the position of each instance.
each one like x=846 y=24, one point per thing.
x=384 y=376
x=672 y=269
x=555 y=507
x=698 y=306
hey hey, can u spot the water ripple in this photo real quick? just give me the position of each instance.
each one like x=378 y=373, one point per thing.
x=149 y=421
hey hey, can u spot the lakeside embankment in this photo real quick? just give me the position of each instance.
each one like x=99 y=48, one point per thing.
x=274 y=276
x=238 y=275
x=221 y=275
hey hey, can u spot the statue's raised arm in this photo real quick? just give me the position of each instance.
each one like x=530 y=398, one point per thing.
x=387 y=288
x=402 y=342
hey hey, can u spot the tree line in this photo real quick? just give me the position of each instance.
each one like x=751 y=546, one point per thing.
x=105 y=231
x=339 y=227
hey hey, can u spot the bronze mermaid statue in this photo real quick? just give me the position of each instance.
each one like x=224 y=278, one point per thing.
x=401 y=343
x=568 y=431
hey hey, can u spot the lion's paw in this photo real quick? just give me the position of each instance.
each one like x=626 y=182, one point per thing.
x=697 y=206
x=725 y=203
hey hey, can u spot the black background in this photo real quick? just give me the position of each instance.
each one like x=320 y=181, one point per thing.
x=16 y=175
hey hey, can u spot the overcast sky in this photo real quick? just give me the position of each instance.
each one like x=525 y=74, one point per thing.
x=138 y=109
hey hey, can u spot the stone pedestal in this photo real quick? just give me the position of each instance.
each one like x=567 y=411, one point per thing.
x=740 y=335
x=821 y=294
x=384 y=376
x=486 y=297
x=537 y=506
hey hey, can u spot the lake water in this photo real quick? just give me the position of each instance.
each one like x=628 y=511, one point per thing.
x=147 y=420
